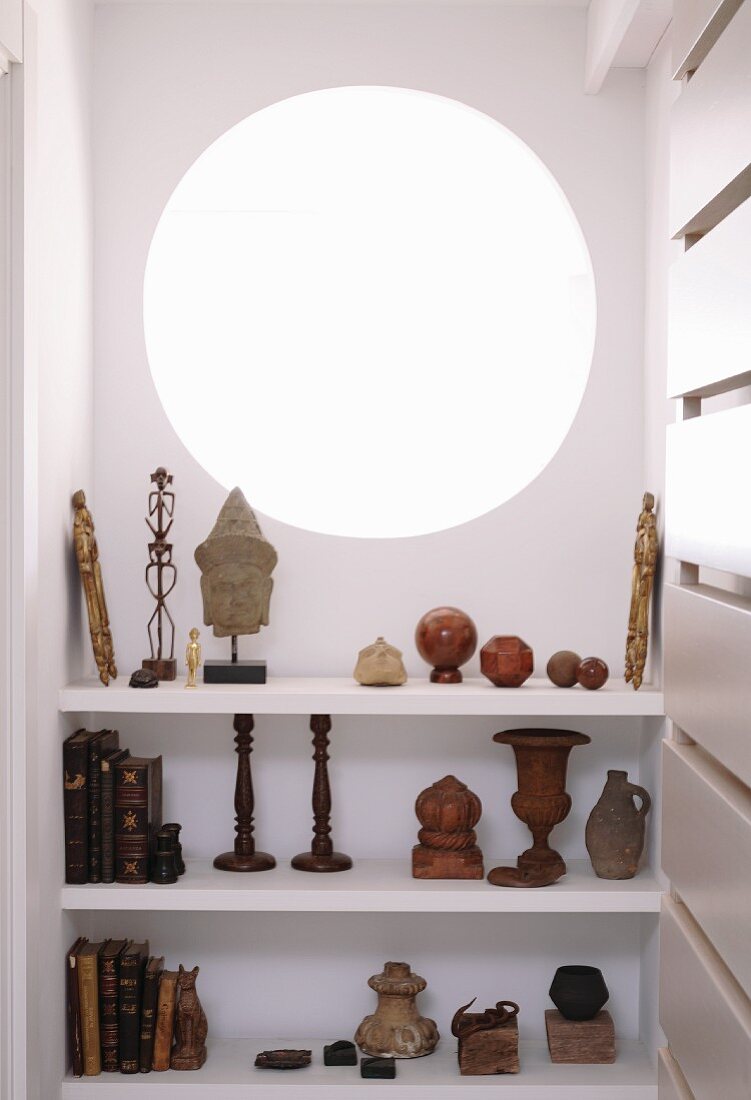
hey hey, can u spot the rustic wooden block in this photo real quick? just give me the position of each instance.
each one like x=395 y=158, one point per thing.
x=433 y=863
x=580 y=1042
x=493 y=1051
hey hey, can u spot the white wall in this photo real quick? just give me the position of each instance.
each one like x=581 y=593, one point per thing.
x=59 y=357
x=552 y=564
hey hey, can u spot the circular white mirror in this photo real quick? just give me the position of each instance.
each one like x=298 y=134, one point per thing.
x=371 y=308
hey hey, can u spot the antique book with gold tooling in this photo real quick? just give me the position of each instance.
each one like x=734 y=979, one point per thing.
x=138 y=816
x=148 y=1013
x=75 y=1041
x=109 y=759
x=132 y=967
x=165 y=1019
x=109 y=980
x=75 y=806
x=101 y=742
x=88 y=992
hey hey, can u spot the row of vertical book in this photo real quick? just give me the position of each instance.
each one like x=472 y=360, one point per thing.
x=121 y=1008
x=112 y=804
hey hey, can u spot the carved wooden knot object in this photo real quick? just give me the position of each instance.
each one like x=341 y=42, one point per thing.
x=448 y=813
x=489 y=1040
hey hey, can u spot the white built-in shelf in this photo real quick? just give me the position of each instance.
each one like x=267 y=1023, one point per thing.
x=326 y=695
x=372 y=886
x=229 y=1072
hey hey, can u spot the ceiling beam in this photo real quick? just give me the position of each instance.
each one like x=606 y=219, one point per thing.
x=622 y=34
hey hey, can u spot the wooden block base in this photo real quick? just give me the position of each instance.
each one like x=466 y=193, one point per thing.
x=231 y=861
x=492 y=1051
x=580 y=1042
x=434 y=863
x=164 y=669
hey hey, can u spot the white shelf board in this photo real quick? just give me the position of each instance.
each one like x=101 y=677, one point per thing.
x=229 y=1072
x=325 y=695
x=372 y=886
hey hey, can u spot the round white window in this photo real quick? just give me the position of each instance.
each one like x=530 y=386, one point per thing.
x=371 y=308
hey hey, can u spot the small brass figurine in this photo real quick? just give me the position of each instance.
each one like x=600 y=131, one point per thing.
x=193 y=657
x=87 y=554
x=380 y=665
x=645 y=564
x=191 y=1028
x=161 y=575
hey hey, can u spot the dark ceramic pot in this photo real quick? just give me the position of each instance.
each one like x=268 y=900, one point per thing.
x=578 y=992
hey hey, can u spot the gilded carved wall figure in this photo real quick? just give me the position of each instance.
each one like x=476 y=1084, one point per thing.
x=645 y=563
x=87 y=555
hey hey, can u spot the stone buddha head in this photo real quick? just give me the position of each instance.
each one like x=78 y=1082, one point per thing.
x=236 y=564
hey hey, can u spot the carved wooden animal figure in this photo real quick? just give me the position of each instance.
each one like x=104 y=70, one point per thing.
x=191 y=1027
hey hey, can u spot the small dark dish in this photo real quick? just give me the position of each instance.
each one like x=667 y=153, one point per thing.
x=578 y=992
x=283 y=1059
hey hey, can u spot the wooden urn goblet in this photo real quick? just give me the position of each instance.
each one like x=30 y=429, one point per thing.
x=541 y=800
x=446 y=638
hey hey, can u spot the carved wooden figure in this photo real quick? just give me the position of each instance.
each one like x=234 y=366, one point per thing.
x=489 y=1040
x=645 y=564
x=244 y=856
x=87 y=555
x=161 y=576
x=321 y=857
x=191 y=1027
x=448 y=813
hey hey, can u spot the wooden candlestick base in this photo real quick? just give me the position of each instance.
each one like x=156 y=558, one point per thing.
x=244 y=857
x=309 y=861
x=580 y=1042
x=492 y=1051
x=432 y=863
x=321 y=858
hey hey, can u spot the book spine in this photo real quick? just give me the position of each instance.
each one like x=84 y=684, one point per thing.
x=165 y=1021
x=109 y=979
x=95 y=811
x=89 y=997
x=131 y=977
x=75 y=807
x=131 y=823
x=148 y=1020
x=108 y=823
x=74 y=1014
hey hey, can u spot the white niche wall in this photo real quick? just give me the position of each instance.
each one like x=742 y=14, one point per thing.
x=552 y=564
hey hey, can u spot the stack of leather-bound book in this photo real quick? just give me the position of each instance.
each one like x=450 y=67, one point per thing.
x=121 y=1008
x=112 y=803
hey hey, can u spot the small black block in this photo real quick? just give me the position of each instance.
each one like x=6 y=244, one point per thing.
x=382 y=1068
x=341 y=1053
x=241 y=672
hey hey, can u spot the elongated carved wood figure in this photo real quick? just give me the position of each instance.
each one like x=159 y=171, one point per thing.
x=645 y=563
x=191 y=1027
x=87 y=554
x=161 y=577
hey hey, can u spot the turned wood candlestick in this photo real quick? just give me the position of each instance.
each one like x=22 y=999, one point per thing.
x=321 y=857
x=244 y=857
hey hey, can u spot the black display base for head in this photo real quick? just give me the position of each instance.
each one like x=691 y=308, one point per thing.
x=241 y=672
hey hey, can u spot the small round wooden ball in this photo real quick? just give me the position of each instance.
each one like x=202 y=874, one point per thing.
x=563 y=667
x=592 y=673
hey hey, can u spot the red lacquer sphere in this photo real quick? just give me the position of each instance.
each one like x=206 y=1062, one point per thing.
x=446 y=638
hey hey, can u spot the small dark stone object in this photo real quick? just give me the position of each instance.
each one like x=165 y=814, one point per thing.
x=592 y=673
x=563 y=667
x=578 y=992
x=164 y=871
x=341 y=1053
x=174 y=830
x=383 y=1069
x=144 y=678
x=283 y=1059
